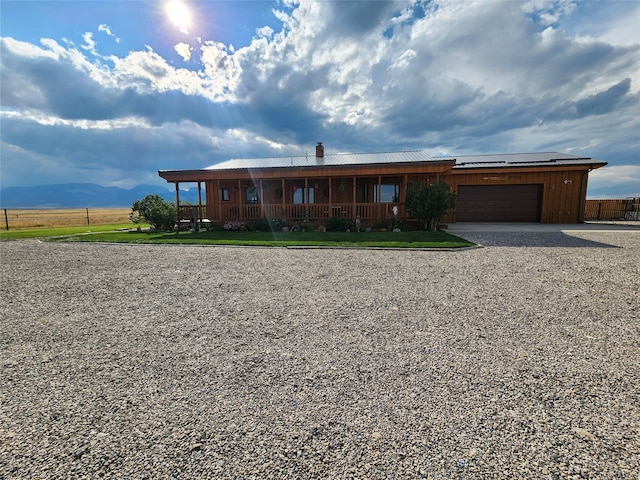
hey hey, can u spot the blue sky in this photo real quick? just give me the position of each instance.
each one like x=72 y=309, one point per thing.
x=110 y=92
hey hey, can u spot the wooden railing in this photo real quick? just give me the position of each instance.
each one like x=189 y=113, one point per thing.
x=610 y=209
x=312 y=212
x=185 y=211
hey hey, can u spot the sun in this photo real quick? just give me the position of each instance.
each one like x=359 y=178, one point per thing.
x=179 y=14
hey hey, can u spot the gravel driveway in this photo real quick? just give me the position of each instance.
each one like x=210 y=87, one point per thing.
x=517 y=360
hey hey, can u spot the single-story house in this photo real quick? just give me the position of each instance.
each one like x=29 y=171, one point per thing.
x=530 y=187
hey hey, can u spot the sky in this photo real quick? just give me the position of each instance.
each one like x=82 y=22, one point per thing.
x=110 y=92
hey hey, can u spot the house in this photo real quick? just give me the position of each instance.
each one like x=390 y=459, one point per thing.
x=532 y=187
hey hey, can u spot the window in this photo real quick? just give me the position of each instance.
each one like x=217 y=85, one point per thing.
x=387 y=193
x=303 y=195
x=225 y=194
x=251 y=195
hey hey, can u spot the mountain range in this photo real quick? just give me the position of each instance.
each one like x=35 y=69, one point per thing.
x=83 y=195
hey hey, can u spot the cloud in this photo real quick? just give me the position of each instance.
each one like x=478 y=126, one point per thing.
x=604 y=102
x=90 y=44
x=465 y=77
x=106 y=29
x=184 y=50
x=624 y=180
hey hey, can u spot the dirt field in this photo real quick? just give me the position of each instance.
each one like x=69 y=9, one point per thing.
x=21 y=219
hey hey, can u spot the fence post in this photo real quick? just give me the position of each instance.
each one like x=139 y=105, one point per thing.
x=87 y=216
x=599 y=205
x=6 y=219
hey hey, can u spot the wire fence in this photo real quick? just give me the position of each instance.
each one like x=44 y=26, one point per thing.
x=73 y=217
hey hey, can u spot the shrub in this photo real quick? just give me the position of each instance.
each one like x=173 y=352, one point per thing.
x=428 y=203
x=337 y=224
x=275 y=224
x=258 y=225
x=235 y=225
x=155 y=211
x=265 y=225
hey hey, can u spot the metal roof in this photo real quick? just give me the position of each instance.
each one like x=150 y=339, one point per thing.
x=337 y=159
x=521 y=160
x=410 y=156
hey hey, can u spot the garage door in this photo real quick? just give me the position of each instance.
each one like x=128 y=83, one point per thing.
x=499 y=203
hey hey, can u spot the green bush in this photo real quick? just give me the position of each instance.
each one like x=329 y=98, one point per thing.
x=265 y=225
x=155 y=211
x=337 y=224
x=429 y=202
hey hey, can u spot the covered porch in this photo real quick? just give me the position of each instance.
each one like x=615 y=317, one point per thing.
x=309 y=195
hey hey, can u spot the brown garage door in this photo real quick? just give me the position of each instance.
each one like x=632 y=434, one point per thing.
x=499 y=203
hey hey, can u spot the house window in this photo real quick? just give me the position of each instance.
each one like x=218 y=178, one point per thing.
x=251 y=195
x=304 y=195
x=387 y=193
x=225 y=194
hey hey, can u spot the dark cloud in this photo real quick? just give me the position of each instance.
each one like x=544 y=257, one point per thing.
x=603 y=102
x=356 y=18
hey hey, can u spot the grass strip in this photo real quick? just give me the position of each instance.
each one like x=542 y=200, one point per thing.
x=281 y=239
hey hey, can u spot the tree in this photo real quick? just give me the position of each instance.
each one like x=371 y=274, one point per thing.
x=428 y=203
x=155 y=211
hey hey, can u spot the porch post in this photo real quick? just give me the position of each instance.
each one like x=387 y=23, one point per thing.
x=218 y=197
x=283 y=214
x=379 y=207
x=353 y=196
x=330 y=212
x=240 y=204
x=261 y=198
x=178 y=202
x=403 y=195
x=199 y=202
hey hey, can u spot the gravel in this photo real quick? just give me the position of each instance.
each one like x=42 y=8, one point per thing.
x=517 y=360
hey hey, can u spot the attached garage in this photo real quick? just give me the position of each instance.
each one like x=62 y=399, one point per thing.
x=499 y=203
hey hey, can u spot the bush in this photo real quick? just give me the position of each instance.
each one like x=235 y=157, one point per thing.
x=259 y=225
x=265 y=225
x=337 y=224
x=428 y=203
x=235 y=225
x=155 y=211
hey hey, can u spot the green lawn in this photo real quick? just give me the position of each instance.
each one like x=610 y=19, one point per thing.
x=118 y=234
x=282 y=239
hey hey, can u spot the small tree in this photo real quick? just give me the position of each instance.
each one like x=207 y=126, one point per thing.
x=428 y=203
x=155 y=211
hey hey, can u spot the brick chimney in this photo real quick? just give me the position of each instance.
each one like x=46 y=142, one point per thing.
x=319 y=150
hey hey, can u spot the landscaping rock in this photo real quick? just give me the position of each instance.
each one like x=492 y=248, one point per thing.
x=518 y=360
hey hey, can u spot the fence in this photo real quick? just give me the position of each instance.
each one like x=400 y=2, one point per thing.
x=74 y=217
x=612 y=209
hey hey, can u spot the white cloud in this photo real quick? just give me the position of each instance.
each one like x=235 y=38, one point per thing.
x=615 y=181
x=106 y=29
x=184 y=50
x=90 y=44
x=463 y=77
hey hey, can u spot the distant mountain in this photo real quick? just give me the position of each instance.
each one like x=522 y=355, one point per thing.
x=83 y=195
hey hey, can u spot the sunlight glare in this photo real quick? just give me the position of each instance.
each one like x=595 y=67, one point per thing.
x=179 y=14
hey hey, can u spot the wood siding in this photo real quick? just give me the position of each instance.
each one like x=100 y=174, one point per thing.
x=563 y=191
x=350 y=191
